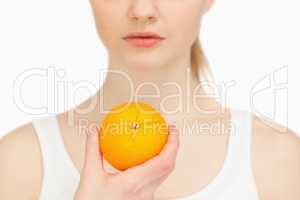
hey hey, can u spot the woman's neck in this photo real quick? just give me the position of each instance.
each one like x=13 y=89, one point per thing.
x=172 y=90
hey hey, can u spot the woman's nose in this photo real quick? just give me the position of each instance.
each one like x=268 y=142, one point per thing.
x=143 y=10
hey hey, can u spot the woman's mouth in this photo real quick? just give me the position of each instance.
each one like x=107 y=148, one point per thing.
x=143 y=39
x=143 y=42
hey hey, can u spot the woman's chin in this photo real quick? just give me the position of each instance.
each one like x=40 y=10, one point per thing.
x=144 y=64
x=142 y=67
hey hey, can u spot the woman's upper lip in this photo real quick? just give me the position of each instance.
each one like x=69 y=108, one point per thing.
x=143 y=34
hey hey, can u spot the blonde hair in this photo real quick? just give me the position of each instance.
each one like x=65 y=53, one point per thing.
x=199 y=63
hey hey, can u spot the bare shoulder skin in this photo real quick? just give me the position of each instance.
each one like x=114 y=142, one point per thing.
x=20 y=164
x=276 y=160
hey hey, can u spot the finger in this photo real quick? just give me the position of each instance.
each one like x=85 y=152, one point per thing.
x=172 y=145
x=157 y=166
x=93 y=157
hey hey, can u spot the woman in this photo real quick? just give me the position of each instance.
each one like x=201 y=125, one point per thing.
x=47 y=159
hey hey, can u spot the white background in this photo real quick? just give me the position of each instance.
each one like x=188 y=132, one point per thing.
x=248 y=42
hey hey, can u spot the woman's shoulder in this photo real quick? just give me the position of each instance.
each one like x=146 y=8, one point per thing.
x=276 y=159
x=20 y=163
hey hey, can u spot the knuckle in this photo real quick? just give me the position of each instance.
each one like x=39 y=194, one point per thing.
x=130 y=190
x=169 y=155
x=167 y=166
x=129 y=187
x=176 y=143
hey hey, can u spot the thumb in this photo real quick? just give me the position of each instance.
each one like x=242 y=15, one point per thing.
x=154 y=168
x=93 y=158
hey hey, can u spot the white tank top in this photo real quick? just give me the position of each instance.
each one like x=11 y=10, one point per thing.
x=235 y=180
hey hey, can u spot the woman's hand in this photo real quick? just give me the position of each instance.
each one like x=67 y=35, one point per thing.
x=136 y=183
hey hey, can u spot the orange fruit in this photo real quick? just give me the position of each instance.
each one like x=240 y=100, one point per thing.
x=132 y=133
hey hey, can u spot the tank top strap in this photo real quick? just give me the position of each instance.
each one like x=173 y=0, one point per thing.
x=239 y=148
x=236 y=172
x=240 y=155
x=59 y=177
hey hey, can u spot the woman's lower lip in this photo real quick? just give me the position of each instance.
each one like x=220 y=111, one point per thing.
x=144 y=42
